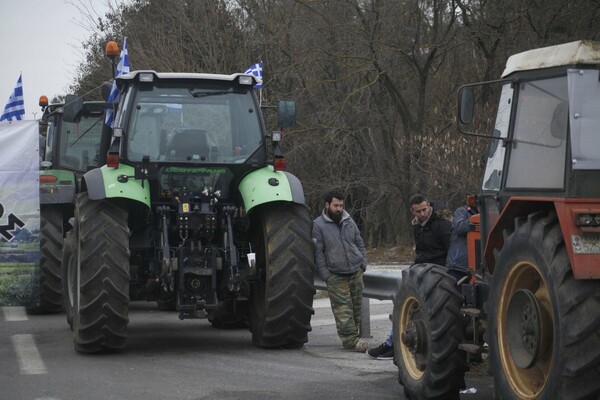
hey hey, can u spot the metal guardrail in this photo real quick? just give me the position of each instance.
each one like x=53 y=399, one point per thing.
x=380 y=285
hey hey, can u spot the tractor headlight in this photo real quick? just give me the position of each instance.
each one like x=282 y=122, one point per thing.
x=146 y=77
x=246 y=80
x=587 y=220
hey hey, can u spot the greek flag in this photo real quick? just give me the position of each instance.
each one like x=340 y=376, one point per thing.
x=122 y=69
x=256 y=70
x=15 y=108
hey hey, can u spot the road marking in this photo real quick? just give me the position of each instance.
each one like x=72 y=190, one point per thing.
x=28 y=355
x=331 y=321
x=14 y=314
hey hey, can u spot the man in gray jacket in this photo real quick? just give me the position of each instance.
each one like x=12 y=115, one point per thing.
x=341 y=259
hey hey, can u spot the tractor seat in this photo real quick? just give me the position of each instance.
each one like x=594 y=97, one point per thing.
x=188 y=145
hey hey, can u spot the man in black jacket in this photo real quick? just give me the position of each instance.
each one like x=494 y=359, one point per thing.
x=432 y=240
x=431 y=232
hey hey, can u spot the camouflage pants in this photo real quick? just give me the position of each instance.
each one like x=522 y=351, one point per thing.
x=345 y=294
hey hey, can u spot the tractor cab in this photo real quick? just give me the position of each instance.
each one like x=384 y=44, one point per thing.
x=543 y=147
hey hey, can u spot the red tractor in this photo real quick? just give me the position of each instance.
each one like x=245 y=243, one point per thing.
x=532 y=299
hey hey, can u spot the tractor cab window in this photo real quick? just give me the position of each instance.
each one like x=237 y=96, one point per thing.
x=187 y=124
x=50 y=140
x=584 y=118
x=493 y=171
x=80 y=144
x=538 y=149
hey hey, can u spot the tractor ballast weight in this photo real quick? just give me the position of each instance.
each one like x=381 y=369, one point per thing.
x=191 y=211
x=531 y=300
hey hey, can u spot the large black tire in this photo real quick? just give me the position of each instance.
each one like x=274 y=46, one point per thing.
x=427 y=328
x=101 y=304
x=51 y=243
x=281 y=304
x=69 y=274
x=544 y=326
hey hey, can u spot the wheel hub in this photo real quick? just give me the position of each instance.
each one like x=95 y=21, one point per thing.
x=524 y=328
x=413 y=337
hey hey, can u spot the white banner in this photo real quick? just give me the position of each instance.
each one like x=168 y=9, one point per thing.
x=19 y=212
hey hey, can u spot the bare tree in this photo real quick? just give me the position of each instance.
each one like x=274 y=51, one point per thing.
x=375 y=81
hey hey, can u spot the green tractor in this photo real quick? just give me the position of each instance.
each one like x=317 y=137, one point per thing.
x=67 y=151
x=531 y=299
x=192 y=209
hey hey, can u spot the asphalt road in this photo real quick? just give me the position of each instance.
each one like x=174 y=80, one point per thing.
x=167 y=358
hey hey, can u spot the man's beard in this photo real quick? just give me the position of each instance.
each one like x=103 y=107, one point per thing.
x=336 y=217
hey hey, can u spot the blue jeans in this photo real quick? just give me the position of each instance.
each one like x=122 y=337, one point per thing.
x=390 y=339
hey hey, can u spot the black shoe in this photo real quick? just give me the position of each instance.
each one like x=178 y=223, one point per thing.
x=382 y=352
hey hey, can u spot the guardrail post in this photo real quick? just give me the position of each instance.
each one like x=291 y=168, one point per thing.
x=365 y=318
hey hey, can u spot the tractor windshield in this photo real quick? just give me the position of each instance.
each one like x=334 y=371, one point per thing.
x=584 y=118
x=184 y=123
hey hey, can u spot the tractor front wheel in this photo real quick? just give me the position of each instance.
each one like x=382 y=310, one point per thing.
x=281 y=302
x=427 y=329
x=51 y=243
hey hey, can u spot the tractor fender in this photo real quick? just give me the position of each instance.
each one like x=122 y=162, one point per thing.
x=515 y=208
x=266 y=185
x=106 y=183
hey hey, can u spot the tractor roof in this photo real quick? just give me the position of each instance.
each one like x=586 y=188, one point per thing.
x=179 y=76
x=579 y=52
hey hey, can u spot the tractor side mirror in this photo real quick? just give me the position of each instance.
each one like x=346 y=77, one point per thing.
x=286 y=114
x=73 y=108
x=105 y=90
x=466 y=105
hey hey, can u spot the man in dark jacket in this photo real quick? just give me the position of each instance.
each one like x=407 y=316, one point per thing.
x=431 y=232
x=432 y=240
x=340 y=257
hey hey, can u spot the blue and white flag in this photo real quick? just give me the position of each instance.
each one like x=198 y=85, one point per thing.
x=256 y=70
x=122 y=69
x=15 y=108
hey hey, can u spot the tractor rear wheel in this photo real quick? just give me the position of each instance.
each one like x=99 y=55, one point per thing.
x=101 y=304
x=68 y=270
x=51 y=243
x=427 y=329
x=281 y=303
x=543 y=324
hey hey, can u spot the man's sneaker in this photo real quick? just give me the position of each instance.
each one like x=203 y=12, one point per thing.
x=362 y=345
x=382 y=352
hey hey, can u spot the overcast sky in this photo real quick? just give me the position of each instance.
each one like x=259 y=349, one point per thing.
x=42 y=39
